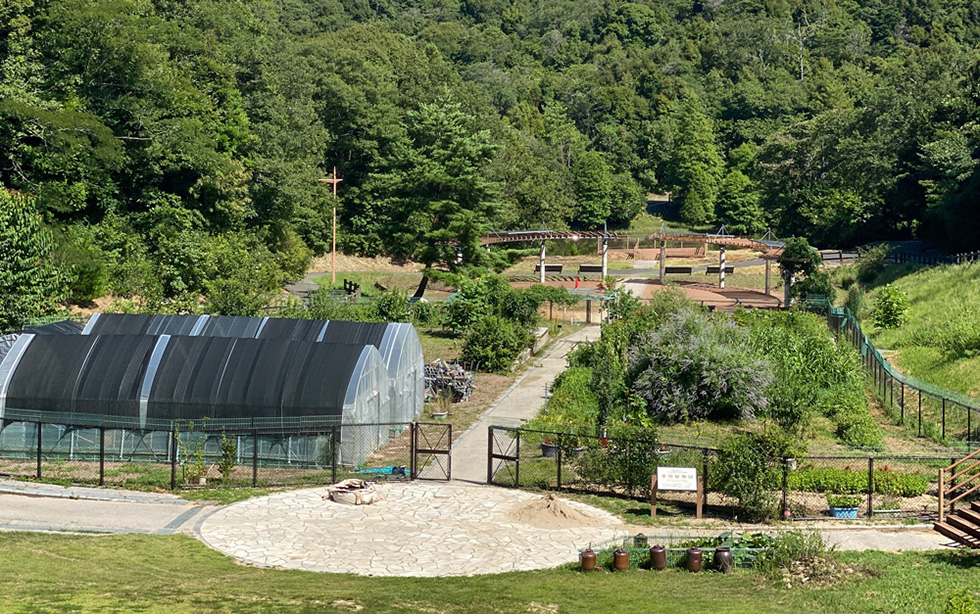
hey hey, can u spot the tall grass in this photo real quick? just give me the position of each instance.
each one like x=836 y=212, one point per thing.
x=940 y=340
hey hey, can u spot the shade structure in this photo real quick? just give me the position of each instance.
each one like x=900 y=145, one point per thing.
x=153 y=378
x=398 y=343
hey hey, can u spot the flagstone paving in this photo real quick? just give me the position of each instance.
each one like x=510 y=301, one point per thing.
x=419 y=529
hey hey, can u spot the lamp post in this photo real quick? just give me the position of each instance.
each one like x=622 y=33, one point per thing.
x=333 y=246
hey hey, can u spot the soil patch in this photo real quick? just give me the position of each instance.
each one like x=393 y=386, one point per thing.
x=550 y=512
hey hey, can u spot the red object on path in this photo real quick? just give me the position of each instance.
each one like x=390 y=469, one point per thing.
x=576 y=282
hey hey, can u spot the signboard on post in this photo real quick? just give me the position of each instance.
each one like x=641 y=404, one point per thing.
x=675 y=479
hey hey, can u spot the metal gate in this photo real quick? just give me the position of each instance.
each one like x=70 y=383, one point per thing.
x=432 y=451
x=504 y=456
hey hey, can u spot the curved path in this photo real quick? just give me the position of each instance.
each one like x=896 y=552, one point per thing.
x=419 y=529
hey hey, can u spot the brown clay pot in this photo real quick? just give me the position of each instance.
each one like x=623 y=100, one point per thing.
x=692 y=561
x=586 y=560
x=621 y=560
x=658 y=558
x=723 y=560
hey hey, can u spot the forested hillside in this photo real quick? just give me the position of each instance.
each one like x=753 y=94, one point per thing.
x=172 y=147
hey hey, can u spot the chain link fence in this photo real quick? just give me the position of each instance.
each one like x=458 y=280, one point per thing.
x=186 y=456
x=861 y=486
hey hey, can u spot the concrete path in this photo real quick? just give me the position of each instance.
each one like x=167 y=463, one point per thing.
x=46 y=507
x=521 y=402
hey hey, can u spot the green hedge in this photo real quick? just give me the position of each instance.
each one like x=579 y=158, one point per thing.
x=849 y=482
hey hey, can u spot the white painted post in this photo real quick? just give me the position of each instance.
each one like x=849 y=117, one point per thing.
x=605 y=256
x=721 y=267
x=663 y=257
x=541 y=257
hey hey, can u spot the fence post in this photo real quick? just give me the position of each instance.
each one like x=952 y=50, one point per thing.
x=255 y=456
x=334 y=450
x=101 y=456
x=517 y=453
x=489 y=455
x=173 y=459
x=449 y=456
x=785 y=486
x=903 y=403
x=944 y=417
x=871 y=485
x=39 y=450
x=559 y=460
x=412 y=444
x=704 y=473
x=969 y=427
x=920 y=413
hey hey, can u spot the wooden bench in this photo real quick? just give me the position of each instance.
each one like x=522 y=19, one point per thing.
x=679 y=270
x=715 y=269
x=590 y=268
x=549 y=268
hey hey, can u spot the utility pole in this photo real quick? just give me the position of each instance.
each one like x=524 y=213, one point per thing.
x=333 y=248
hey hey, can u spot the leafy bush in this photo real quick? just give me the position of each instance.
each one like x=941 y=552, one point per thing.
x=855 y=299
x=749 y=468
x=871 y=262
x=393 y=307
x=425 y=313
x=856 y=427
x=572 y=398
x=962 y=602
x=891 y=306
x=696 y=366
x=495 y=343
x=624 y=460
x=791 y=547
x=843 y=501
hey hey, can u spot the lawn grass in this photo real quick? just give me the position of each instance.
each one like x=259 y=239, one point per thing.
x=146 y=573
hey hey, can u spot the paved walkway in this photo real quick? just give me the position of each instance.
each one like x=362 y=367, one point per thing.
x=46 y=507
x=522 y=401
x=420 y=529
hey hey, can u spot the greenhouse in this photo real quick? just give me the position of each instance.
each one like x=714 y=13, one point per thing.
x=398 y=343
x=148 y=383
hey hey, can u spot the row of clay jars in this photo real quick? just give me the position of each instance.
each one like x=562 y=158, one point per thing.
x=658 y=559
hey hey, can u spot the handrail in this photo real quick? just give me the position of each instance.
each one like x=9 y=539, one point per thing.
x=947 y=487
x=965 y=458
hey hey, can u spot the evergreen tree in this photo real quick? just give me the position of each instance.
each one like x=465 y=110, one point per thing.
x=594 y=189
x=697 y=165
x=738 y=205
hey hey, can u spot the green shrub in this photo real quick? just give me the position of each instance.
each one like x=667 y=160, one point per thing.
x=855 y=299
x=393 y=307
x=843 y=501
x=962 y=602
x=791 y=547
x=871 y=262
x=425 y=313
x=749 y=468
x=891 y=306
x=495 y=343
x=857 y=428
x=623 y=461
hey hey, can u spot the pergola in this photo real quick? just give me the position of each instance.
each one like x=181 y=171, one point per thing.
x=771 y=248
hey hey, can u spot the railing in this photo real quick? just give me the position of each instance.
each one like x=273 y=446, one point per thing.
x=948 y=486
x=934 y=411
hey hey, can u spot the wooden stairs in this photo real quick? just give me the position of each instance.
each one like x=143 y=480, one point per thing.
x=962 y=524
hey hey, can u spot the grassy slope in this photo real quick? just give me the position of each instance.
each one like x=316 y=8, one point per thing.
x=941 y=299
x=54 y=573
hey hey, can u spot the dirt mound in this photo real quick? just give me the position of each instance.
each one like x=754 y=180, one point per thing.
x=550 y=513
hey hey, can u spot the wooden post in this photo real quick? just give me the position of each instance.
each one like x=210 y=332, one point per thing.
x=942 y=496
x=653 y=495
x=700 y=495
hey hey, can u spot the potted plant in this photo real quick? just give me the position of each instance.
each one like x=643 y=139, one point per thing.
x=843 y=506
x=891 y=507
x=548 y=449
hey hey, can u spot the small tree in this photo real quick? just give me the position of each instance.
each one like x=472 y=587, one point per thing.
x=495 y=343
x=891 y=306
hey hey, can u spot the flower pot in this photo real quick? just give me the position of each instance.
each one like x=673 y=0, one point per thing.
x=549 y=450
x=438 y=415
x=587 y=560
x=844 y=512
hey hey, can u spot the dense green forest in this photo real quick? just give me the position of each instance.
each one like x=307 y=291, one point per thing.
x=171 y=149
